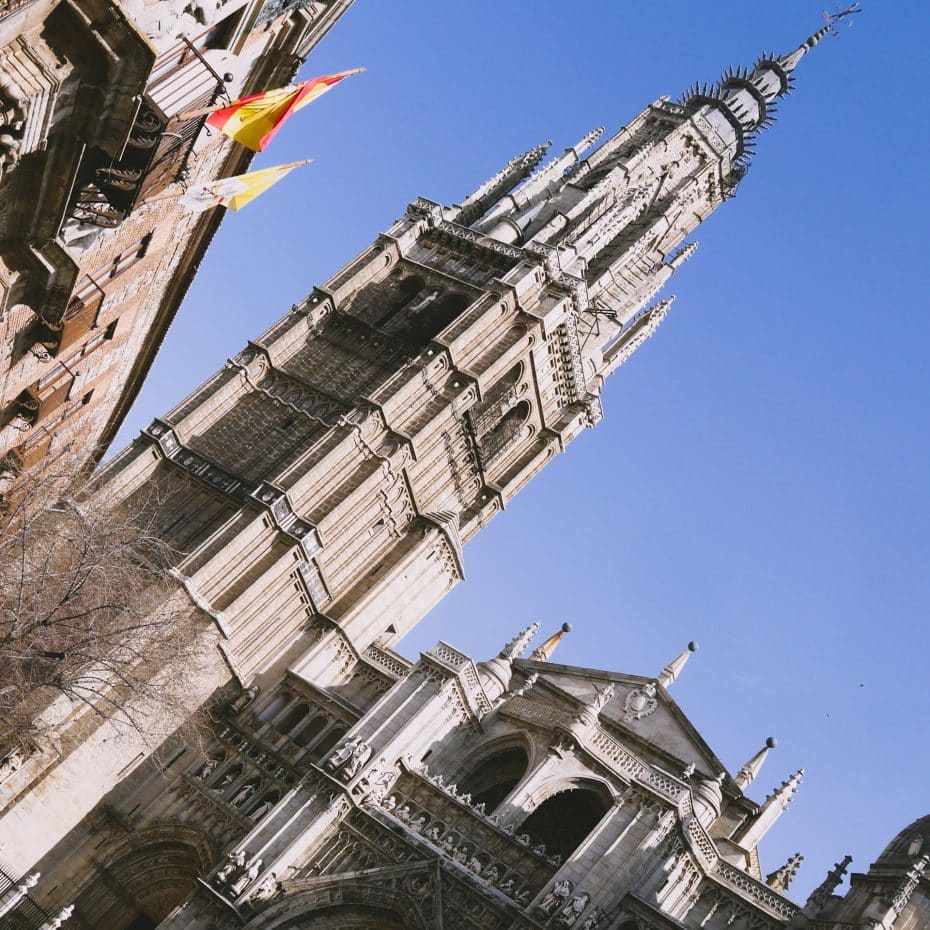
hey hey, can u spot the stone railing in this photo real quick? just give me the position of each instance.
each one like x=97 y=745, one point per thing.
x=388 y=660
x=758 y=893
x=464 y=834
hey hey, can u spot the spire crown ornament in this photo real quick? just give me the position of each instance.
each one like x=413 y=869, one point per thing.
x=670 y=673
x=750 y=770
x=543 y=652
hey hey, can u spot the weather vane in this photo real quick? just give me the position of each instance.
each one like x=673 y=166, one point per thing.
x=832 y=19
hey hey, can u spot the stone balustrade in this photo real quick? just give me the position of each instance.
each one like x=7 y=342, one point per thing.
x=465 y=834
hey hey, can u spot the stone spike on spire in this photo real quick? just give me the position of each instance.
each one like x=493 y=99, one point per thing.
x=821 y=894
x=781 y=879
x=519 y=644
x=639 y=330
x=587 y=140
x=516 y=170
x=747 y=774
x=670 y=673
x=785 y=793
x=775 y=805
x=683 y=254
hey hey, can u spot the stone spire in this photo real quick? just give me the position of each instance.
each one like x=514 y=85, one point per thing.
x=821 y=894
x=500 y=184
x=780 y=879
x=543 y=652
x=519 y=644
x=748 y=772
x=670 y=673
x=773 y=807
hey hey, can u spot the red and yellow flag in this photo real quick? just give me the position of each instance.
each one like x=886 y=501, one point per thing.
x=237 y=191
x=253 y=121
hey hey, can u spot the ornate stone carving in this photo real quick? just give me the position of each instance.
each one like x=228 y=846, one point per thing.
x=348 y=759
x=640 y=702
x=556 y=897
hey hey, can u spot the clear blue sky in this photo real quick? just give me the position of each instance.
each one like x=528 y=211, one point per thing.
x=759 y=482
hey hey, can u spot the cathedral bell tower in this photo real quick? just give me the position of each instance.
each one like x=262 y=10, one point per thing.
x=319 y=487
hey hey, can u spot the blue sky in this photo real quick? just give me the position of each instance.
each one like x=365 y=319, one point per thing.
x=759 y=482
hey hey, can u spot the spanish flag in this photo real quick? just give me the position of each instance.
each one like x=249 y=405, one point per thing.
x=253 y=121
x=237 y=191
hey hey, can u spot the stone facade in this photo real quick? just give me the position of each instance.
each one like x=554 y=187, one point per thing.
x=319 y=490
x=95 y=149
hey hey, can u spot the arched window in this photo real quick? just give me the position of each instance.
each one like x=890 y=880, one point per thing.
x=311 y=731
x=494 y=778
x=328 y=741
x=433 y=317
x=274 y=707
x=395 y=297
x=295 y=716
x=507 y=429
x=485 y=414
x=563 y=820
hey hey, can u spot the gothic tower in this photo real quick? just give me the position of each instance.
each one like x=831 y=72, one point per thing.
x=319 y=488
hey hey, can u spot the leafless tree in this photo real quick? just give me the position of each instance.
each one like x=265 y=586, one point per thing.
x=90 y=616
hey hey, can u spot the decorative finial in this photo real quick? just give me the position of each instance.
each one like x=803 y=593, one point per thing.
x=518 y=645
x=821 y=894
x=790 y=61
x=670 y=673
x=747 y=774
x=780 y=879
x=787 y=790
x=542 y=652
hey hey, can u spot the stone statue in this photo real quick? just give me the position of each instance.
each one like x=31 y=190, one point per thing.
x=491 y=875
x=506 y=886
x=602 y=696
x=433 y=833
x=418 y=823
x=403 y=813
x=246 y=878
x=243 y=794
x=268 y=888
x=235 y=861
x=243 y=699
x=209 y=767
x=594 y=921
x=262 y=809
x=389 y=803
x=556 y=897
x=351 y=756
x=228 y=778
x=475 y=865
x=573 y=910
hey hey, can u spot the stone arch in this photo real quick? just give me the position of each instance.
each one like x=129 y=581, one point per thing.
x=143 y=878
x=349 y=905
x=273 y=707
x=495 y=773
x=328 y=741
x=294 y=717
x=505 y=431
x=313 y=728
x=566 y=814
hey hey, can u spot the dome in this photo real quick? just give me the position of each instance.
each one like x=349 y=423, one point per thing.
x=911 y=842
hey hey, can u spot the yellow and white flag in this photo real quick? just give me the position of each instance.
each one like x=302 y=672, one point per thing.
x=237 y=191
